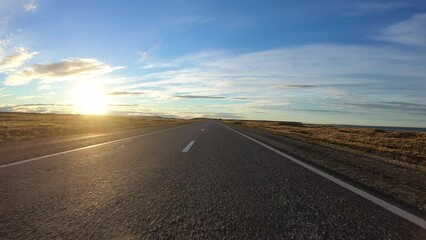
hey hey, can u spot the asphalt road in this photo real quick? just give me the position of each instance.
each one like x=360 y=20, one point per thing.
x=156 y=186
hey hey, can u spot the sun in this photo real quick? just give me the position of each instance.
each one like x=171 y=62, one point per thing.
x=89 y=98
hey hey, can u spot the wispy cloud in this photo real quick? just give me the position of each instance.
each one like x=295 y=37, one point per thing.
x=3 y=43
x=376 y=7
x=198 y=96
x=243 y=98
x=28 y=97
x=123 y=105
x=228 y=115
x=188 y=60
x=411 y=31
x=126 y=93
x=312 y=79
x=313 y=66
x=120 y=109
x=383 y=6
x=41 y=104
x=144 y=56
x=319 y=86
x=51 y=72
x=10 y=9
x=413 y=108
x=30 y=6
x=38 y=108
x=187 y=22
x=325 y=111
x=16 y=60
x=3 y=93
x=285 y=86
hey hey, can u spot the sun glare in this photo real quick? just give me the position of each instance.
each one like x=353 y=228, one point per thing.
x=90 y=99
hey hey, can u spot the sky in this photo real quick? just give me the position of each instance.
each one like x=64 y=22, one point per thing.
x=332 y=61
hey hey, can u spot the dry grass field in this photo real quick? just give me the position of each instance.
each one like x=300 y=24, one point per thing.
x=402 y=146
x=23 y=126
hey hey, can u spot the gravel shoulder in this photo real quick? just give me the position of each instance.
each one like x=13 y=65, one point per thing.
x=404 y=186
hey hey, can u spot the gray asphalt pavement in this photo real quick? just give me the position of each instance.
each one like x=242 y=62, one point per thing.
x=224 y=186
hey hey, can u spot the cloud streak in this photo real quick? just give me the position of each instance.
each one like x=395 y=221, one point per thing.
x=4 y=94
x=38 y=108
x=295 y=86
x=126 y=93
x=227 y=115
x=332 y=69
x=413 y=108
x=198 y=97
x=304 y=86
x=68 y=68
x=326 y=111
x=410 y=32
x=302 y=80
x=16 y=60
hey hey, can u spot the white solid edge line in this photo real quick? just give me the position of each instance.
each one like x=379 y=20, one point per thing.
x=398 y=211
x=186 y=149
x=83 y=148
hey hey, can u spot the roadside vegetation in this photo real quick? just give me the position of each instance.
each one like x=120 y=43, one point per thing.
x=24 y=126
x=405 y=147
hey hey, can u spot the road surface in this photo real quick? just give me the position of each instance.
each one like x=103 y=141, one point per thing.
x=198 y=181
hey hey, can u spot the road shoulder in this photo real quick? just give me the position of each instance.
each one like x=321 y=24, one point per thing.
x=403 y=187
x=17 y=151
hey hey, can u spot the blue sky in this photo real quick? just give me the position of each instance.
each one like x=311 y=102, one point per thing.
x=353 y=62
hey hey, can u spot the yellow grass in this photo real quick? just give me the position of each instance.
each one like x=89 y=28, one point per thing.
x=21 y=126
x=402 y=146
